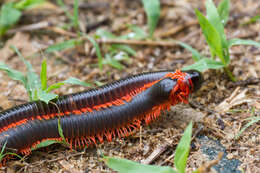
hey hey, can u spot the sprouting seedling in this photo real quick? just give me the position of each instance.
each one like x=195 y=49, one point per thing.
x=3 y=154
x=213 y=30
x=36 y=86
x=252 y=120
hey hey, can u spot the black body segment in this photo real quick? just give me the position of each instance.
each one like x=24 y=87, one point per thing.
x=77 y=101
x=23 y=126
x=91 y=123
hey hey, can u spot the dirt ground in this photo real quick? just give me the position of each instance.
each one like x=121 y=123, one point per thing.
x=219 y=108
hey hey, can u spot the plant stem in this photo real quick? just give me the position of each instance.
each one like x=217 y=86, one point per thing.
x=230 y=75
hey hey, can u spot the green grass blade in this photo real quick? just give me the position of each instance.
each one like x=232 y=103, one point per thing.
x=61 y=133
x=211 y=35
x=62 y=46
x=183 y=149
x=195 y=54
x=204 y=64
x=113 y=62
x=71 y=80
x=8 y=17
x=28 y=4
x=252 y=121
x=13 y=74
x=124 y=48
x=28 y=65
x=45 y=143
x=2 y=154
x=252 y=20
x=136 y=34
x=33 y=83
x=237 y=41
x=128 y=166
x=215 y=20
x=98 y=52
x=75 y=81
x=45 y=96
x=104 y=34
x=76 y=14
x=44 y=75
x=152 y=10
x=108 y=35
x=64 y=8
x=3 y=148
x=223 y=11
x=54 y=86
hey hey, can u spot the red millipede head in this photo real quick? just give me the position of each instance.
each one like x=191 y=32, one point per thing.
x=184 y=87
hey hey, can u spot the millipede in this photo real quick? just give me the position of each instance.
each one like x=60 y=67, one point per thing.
x=90 y=117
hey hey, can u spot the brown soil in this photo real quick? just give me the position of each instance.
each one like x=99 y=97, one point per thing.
x=216 y=117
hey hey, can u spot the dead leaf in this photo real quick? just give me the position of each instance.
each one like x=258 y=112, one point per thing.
x=236 y=98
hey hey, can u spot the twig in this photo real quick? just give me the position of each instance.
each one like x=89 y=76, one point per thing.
x=138 y=42
x=206 y=167
x=176 y=29
x=31 y=27
x=250 y=81
x=62 y=31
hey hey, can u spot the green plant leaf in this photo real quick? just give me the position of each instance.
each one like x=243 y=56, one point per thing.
x=8 y=17
x=104 y=34
x=75 y=81
x=45 y=96
x=76 y=14
x=54 y=86
x=62 y=46
x=44 y=75
x=98 y=52
x=33 y=85
x=28 y=65
x=45 y=143
x=183 y=149
x=223 y=11
x=128 y=166
x=113 y=62
x=61 y=133
x=124 y=48
x=28 y=4
x=9 y=153
x=139 y=32
x=237 y=41
x=252 y=20
x=64 y=8
x=3 y=148
x=71 y=80
x=195 y=54
x=204 y=64
x=32 y=79
x=212 y=36
x=13 y=74
x=215 y=20
x=152 y=10
x=136 y=34
x=108 y=35
x=252 y=121
x=2 y=154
